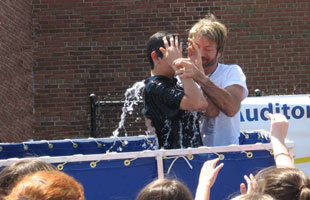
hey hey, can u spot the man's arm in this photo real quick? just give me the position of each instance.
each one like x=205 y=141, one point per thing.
x=227 y=100
x=212 y=110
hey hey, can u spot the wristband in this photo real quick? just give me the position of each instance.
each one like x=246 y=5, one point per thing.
x=283 y=154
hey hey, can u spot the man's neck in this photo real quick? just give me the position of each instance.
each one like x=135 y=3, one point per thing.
x=210 y=70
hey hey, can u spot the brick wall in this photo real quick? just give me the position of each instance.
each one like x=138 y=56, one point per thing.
x=98 y=46
x=16 y=94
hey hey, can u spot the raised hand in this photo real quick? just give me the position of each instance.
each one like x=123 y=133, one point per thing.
x=278 y=132
x=278 y=127
x=208 y=174
x=194 y=54
x=252 y=185
x=171 y=52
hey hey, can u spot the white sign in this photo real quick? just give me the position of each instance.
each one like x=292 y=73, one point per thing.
x=296 y=108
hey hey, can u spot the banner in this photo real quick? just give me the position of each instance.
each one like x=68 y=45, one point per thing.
x=296 y=108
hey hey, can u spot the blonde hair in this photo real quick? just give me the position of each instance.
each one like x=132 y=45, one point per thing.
x=165 y=189
x=211 y=28
x=254 y=196
x=47 y=185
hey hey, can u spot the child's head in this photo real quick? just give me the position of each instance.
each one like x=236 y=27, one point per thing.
x=11 y=173
x=154 y=43
x=284 y=183
x=47 y=185
x=165 y=189
x=254 y=196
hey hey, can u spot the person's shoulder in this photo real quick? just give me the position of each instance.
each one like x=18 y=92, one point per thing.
x=230 y=68
x=154 y=82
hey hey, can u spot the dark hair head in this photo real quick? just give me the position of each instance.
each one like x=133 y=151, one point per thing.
x=154 y=43
x=165 y=189
x=284 y=183
x=13 y=172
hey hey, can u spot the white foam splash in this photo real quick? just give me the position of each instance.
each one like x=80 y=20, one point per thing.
x=132 y=97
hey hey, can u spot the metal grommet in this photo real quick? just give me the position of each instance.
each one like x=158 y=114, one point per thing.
x=149 y=142
x=249 y=154
x=99 y=145
x=190 y=157
x=247 y=136
x=25 y=147
x=93 y=164
x=127 y=162
x=50 y=146
x=124 y=143
x=271 y=151
x=1 y=148
x=60 y=167
x=221 y=157
x=75 y=145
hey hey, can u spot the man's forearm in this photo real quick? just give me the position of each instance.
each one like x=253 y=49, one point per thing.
x=212 y=110
x=223 y=99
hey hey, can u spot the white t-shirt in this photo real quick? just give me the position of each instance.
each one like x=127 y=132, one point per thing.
x=223 y=130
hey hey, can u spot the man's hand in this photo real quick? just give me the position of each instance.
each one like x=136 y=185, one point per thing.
x=186 y=68
x=195 y=55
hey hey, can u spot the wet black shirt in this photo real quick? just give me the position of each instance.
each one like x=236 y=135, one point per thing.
x=175 y=128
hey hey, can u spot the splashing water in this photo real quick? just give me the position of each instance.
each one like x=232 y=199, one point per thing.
x=132 y=97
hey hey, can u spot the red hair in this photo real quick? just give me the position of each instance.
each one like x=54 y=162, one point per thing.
x=47 y=185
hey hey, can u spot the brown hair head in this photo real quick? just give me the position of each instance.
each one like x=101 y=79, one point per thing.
x=47 y=185
x=11 y=173
x=253 y=196
x=165 y=189
x=284 y=183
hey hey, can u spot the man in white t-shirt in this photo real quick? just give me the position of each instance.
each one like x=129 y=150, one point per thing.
x=224 y=86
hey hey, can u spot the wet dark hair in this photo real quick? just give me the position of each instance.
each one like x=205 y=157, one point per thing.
x=154 y=43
